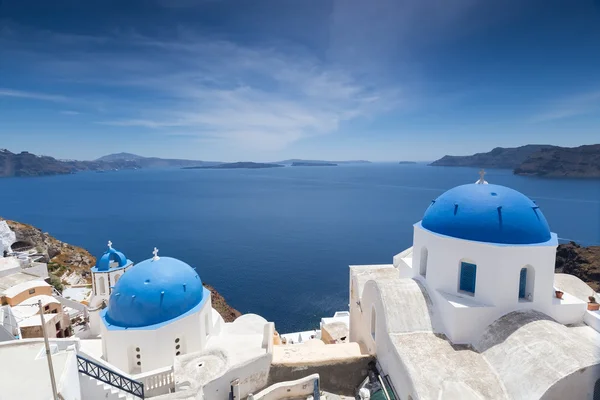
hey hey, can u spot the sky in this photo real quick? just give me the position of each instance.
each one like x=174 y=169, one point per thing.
x=265 y=80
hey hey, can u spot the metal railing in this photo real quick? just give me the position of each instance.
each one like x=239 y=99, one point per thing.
x=109 y=377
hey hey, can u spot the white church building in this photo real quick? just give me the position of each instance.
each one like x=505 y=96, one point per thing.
x=473 y=310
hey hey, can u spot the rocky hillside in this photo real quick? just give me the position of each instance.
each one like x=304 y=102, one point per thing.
x=500 y=157
x=70 y=265
x=67 y=264
x=28 y=164
x=582 y=161
x=535 y=160
x=583 y=262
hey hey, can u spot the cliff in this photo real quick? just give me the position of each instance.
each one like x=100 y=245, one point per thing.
x=68 y=264
x=28 y=164
x=583 y=262
x=535 y=160
x=582 y=161
x=500 y=157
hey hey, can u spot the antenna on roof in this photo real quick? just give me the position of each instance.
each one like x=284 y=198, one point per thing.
x=109 y=244
x=481 y=180
x=156 y=257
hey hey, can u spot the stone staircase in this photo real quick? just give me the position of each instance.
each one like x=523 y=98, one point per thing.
x=98 y=390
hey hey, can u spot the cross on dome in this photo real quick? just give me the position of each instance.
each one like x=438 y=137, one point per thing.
x=155 y=252
x=109 y=244
x=481 y=180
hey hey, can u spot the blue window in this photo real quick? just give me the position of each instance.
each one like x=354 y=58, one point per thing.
x=523 y=283
x=468 y=275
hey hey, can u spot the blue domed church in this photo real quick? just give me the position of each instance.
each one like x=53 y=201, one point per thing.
x=486 y=246
x=157 y=310
x=474 y=308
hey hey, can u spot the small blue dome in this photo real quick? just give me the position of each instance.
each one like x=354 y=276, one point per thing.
x=487 y=213
x=152 y=292
x=109 y=256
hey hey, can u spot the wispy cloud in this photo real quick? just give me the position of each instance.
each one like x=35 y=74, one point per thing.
x=4 y=92
x=251 y=96
x=70 y=112
x=570 y=106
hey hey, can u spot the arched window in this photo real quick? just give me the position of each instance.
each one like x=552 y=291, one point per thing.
x=102 y=285
x=423 y=263
x=597 y=390
x=468 y=277
x=373 y=321
x=526 y=281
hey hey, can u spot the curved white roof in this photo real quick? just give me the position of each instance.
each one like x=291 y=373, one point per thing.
x=21 y=287
x=534 y=342
x=515 y=358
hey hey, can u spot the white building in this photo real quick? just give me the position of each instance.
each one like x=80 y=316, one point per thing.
x=158 y=310
x=471 y=310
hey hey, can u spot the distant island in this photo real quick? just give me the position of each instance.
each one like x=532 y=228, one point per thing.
x=27 y=164
x=155 y=162
x=534 y=160
x=237 y=165
x=298 y=160
x=313 y=164
x=407 y=162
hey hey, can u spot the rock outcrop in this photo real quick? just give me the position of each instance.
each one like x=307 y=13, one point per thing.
x=219 y=303
x=500 y=157
x=582 y=262
x=28 y=164
x=576 y=162
x=535 y=160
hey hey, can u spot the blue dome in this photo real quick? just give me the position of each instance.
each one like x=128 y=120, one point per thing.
x=109 y=256
x=487 y=213
x=152 y=292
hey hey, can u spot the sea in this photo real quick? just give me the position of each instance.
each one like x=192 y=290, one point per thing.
x=275 y=242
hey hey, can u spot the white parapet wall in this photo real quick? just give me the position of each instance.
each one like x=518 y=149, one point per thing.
x=157 y=382
x=288 y=390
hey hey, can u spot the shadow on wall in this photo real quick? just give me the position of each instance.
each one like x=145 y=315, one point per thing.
x=341 y=377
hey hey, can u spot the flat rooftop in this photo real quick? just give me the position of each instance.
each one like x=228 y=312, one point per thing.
x=8 y=263
x=28 y=376
x=6 y=282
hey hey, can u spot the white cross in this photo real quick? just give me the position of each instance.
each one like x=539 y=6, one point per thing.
x=481 y=180
x=109 y=244
x=155 y=252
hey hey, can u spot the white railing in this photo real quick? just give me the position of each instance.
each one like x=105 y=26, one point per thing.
x=157 y=382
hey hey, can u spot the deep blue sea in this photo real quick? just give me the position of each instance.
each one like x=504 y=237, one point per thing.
x=276 y=242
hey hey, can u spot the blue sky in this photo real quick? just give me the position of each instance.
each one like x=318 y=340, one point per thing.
x=273 y=79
